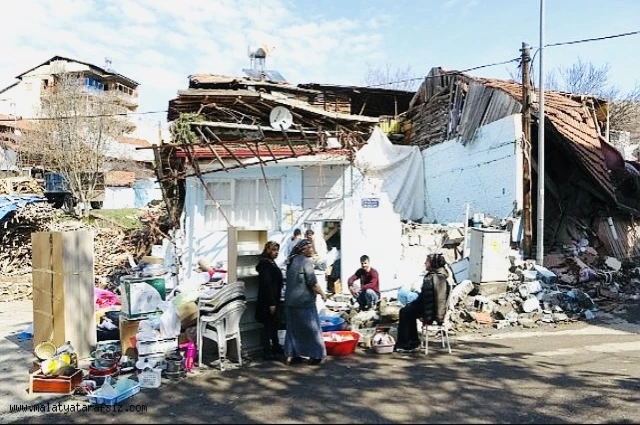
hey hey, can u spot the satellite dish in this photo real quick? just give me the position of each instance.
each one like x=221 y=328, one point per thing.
x=280 y=118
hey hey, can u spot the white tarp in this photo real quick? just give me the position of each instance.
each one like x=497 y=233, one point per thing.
x=398 y=169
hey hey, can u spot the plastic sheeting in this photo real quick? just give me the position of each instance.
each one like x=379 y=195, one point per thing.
x=381 y=169
x=9 y=204
x=400 y=170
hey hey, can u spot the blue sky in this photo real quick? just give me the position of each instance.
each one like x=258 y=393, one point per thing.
x=160 y=42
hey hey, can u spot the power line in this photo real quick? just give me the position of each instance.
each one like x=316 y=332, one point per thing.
x=440 y=75
x=123 y=114
x=586 y=40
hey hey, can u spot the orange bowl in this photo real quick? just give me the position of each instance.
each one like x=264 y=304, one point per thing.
x=340 y=343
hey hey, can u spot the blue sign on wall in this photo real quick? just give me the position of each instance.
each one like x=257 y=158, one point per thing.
x=370 y=202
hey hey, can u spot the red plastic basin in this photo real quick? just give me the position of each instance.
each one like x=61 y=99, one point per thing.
x=341 y=348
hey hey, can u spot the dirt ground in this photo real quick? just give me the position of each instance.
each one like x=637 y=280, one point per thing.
x=575 y=373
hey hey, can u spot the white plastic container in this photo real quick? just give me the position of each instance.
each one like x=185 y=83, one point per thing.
x=150 y=378
x=489 y=255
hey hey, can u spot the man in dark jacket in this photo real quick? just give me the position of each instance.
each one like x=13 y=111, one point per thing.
x=430 y=306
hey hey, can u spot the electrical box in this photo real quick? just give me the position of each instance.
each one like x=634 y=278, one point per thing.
x=489 y=255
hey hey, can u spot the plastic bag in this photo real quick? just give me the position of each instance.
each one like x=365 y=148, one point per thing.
x=169 y=321
x=320 y=306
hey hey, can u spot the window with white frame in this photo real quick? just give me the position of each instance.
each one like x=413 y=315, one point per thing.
x=321 y=182
x=245 y=202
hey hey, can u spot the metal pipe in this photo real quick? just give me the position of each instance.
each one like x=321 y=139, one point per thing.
x=466 y=228
x=541 y=165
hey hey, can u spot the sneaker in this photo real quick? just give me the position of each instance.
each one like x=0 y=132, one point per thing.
x=314 y=362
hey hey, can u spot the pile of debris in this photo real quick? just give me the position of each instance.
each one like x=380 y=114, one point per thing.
x=20 y=186
x=113 y=246
x=15 y=236
x=576 y=287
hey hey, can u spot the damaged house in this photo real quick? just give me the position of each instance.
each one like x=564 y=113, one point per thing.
x=472 y=137
x=275 y=156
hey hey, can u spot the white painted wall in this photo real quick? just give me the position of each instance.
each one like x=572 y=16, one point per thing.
x=487 y=173
x=118 y=197
x=375 y=232
x=22 y=99
x=145 y=191
x=202 y=243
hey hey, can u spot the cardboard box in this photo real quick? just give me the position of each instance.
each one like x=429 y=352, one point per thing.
x=128 y=330
x=141 y=295
x=63 y=289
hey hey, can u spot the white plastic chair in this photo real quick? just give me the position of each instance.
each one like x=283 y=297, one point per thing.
x=442 y=329
x=221 y=327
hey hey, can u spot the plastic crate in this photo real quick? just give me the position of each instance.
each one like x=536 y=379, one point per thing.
x=126 y=388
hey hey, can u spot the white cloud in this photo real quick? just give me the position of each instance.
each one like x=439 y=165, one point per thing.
x=160 y=42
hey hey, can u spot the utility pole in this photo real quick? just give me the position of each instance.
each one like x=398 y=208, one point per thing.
x=541 y=160
x=527 y=213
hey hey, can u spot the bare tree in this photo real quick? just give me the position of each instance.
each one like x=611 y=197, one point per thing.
x=391 y=78
x=587 y=78
x=76 y=127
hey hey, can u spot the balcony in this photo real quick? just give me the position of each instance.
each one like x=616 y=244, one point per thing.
x=126 y=95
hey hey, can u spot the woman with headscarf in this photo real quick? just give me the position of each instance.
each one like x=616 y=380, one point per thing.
x=304 y=334
x=269 y=291
x=430 y=306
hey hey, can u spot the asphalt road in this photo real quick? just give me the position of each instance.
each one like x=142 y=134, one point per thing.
x=576 y=373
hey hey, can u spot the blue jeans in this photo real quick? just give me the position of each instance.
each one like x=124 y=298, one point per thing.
x=367 y=299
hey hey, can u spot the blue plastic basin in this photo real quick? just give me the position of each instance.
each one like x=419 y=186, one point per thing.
x=329 y=324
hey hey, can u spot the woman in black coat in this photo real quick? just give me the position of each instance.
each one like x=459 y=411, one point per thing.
x=430 y=306
x=267 y=306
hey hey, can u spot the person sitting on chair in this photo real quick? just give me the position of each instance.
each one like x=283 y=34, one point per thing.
x=367 y=293
x=430 y=306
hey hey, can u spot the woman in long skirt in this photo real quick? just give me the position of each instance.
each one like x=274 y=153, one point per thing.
x=304 y=334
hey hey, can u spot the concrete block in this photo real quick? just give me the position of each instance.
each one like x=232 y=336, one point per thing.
x=490 y=288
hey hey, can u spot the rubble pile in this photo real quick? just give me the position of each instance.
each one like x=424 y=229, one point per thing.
x=113 y=246
x=15 y=236
x=20 y=186
x=574 y=286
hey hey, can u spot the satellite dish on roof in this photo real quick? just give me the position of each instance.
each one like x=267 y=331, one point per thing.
x=280 y=118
